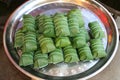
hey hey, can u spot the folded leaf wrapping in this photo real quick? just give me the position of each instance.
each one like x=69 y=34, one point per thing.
x=97 y=48
x=70 y=54
x=79 y=40
x=56 y=56
x=61 y=37
x=62 y=41
x=61 y=25
x=45 y=25
x=85 y=53
x=28 y=23
x=30 y=43
x=77 y=14
x=96 y=30
x=75 y=21
x=39 y=23
x=46 y=44
x=26 y=59
x=40 y=60
x=19 y=38
x=86 y=33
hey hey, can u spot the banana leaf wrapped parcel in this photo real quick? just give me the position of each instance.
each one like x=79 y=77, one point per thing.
x=61 y=25
x=28 y=23
x=19 y=38
x=75 y=21
x=97 y=48
x=85 y=53
x=96 y=30
x=45 y=25
x=56 y=56
x=46 y=44
x=70 y=54
x=79 y=40
x=86 y=32
x=62 y=41
x=30 y=42
x=73 y=24
x=40 y=60
x=26 y=59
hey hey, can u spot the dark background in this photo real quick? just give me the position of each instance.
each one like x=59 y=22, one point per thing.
x=112 y=3
x=7 y=70
x=6 y=8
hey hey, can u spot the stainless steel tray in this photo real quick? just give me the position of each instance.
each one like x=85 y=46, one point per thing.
x=91 y=11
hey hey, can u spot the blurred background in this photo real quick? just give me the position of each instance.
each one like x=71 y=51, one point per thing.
x=6 y=8
x=7 y=70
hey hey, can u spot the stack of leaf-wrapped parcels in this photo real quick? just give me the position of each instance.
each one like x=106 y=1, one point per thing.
x=62 y=37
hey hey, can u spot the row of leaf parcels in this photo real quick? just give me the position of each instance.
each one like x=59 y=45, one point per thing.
x=62 y=37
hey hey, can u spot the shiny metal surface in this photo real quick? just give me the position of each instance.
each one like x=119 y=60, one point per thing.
x=91 y=11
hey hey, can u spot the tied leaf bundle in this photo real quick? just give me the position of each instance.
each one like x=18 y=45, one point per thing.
x=28 y=23
x=26 y=59
x=96 y=30
x=46 y=44
x=45 y=25
x=30 y=43
x=70 y=54
x=62 y=41
x=40 y=60
x=79 y=40
x=85 y=53
x=75 y=21
x=83 y=30
x=97 y=48
x=61 y=25
x=56 y=56
x=19 y=39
